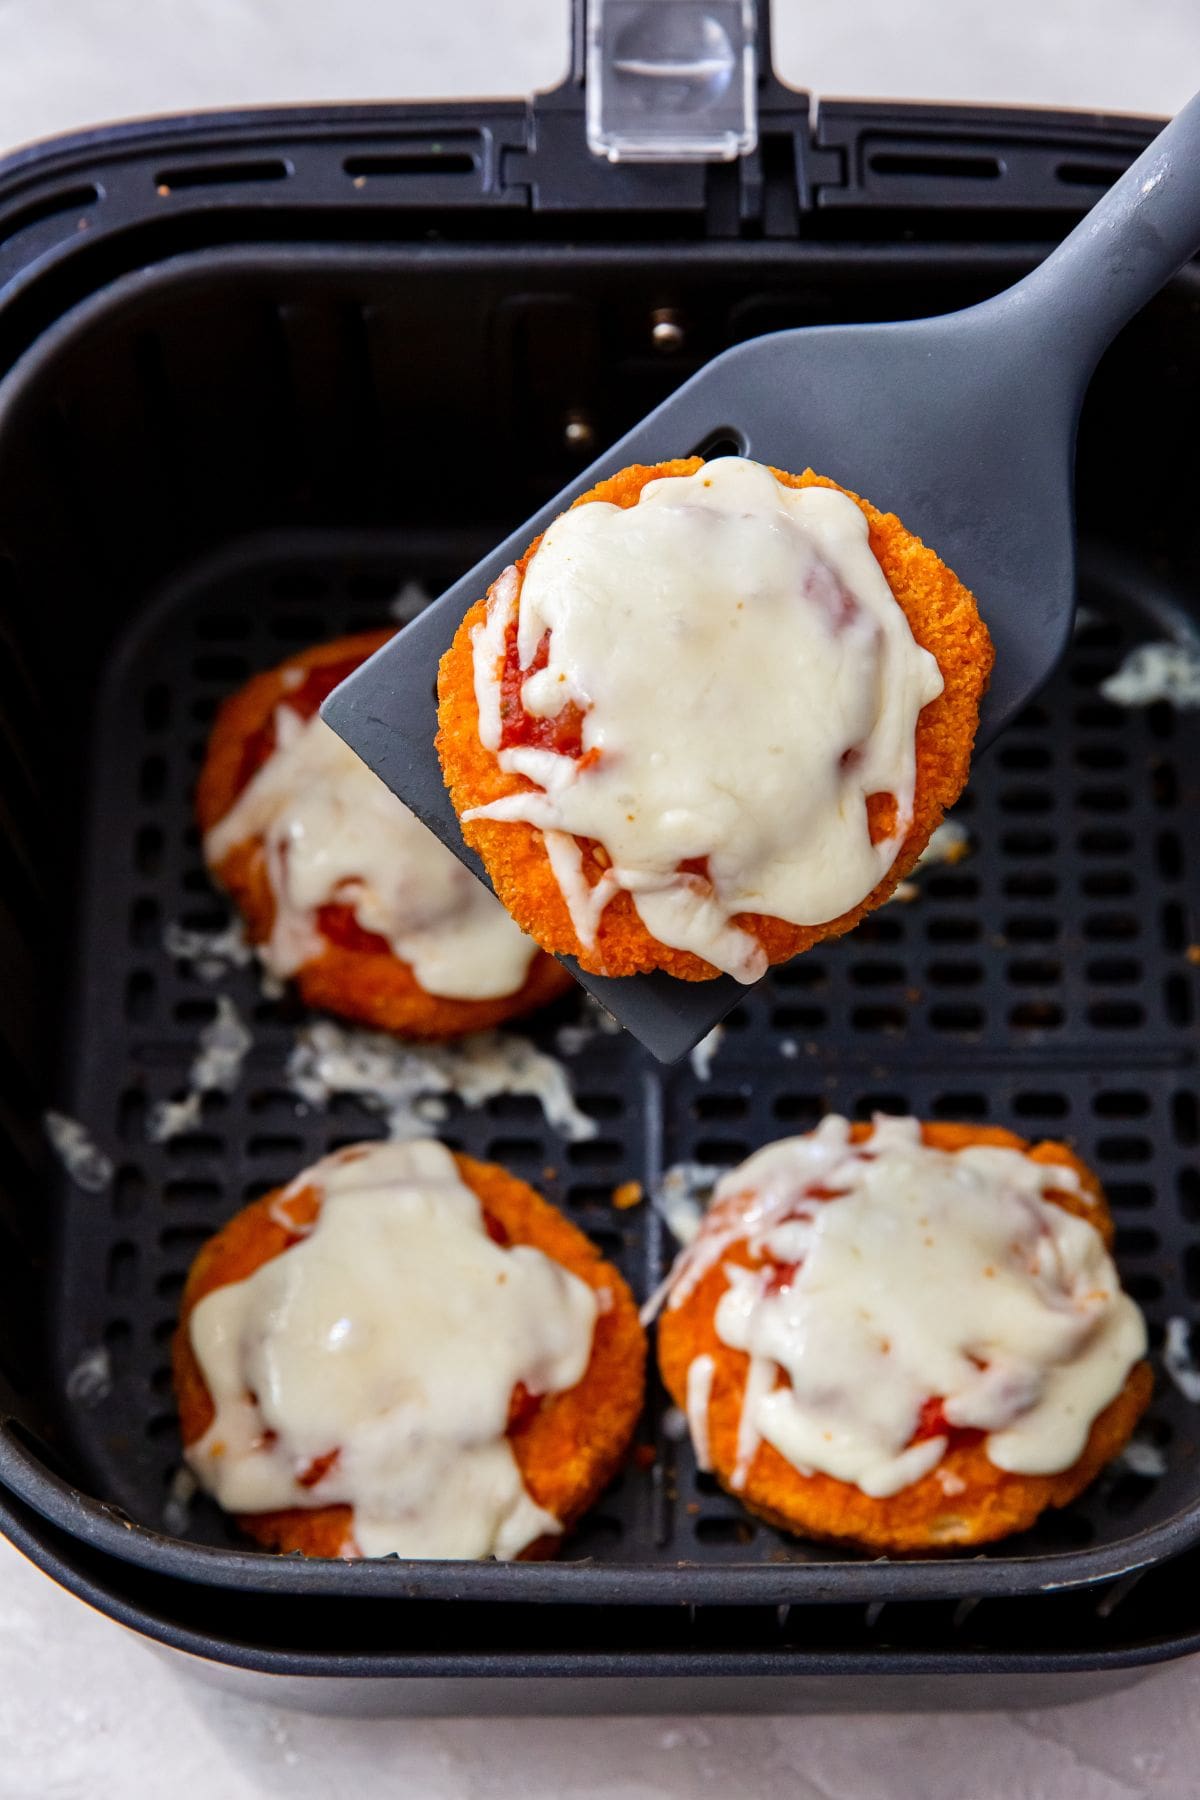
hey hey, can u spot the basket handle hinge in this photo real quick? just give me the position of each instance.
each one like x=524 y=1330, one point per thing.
x=671 y=107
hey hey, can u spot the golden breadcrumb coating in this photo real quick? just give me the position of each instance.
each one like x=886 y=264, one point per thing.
x=944 y=620
x=991 y=1503
x=568 y=1446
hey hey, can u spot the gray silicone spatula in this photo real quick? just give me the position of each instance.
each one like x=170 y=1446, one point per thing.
x=963 y=425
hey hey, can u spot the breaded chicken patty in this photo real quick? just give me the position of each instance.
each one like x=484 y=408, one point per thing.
x=347 y=970
x=943 y=619
x=965 y=1499
x=568 y=1446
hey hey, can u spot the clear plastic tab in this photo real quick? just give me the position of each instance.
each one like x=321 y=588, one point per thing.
x=671 y=80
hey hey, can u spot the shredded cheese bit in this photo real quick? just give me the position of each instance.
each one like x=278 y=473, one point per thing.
x=1142 y=1456
x=683 y=1194
x=1178 y=1360
x=702 y=1055
x=211 y=954
x=1153 y=672
x=405 y=1081
x=594 y=1021
x=949 y=843
x=87 y=1165
x=177 y=1508
x=90 y=1381
x=221 y=1049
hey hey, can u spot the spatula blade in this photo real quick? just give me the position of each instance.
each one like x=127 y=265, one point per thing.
x=923 y=420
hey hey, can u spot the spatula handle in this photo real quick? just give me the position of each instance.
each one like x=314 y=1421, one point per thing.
x=1117 y=258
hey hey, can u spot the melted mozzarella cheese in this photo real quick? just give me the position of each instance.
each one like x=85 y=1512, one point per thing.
x=912 y=1274
x=394 y=1335
x=332 y=832
x=700 y=1374
x=746 y=680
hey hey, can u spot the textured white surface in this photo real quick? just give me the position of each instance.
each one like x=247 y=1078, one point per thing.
x=87 y=1710
x=66 y=63
x=1119 y=55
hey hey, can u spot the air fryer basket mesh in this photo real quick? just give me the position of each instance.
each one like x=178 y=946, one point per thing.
x=320 y=396
x=1044 y=982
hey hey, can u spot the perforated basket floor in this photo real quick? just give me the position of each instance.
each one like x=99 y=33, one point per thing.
x=1045 y=982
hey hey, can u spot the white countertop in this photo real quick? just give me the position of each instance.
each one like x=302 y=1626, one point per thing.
x=88 y=1710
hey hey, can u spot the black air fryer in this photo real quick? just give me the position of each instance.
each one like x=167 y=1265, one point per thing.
x=239 y=354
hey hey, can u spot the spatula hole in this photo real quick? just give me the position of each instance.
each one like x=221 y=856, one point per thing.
x=725 y=442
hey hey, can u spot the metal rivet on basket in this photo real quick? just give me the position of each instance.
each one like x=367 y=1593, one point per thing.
x=578 y=432
x=666 y=330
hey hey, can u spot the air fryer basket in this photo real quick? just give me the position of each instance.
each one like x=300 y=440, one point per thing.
x=425 y=1657
x=234 y=424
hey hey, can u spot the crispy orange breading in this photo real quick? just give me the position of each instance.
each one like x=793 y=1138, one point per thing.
x=944 y=620
x=568 y=1447
x=990 y=1503
x=361 y=979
